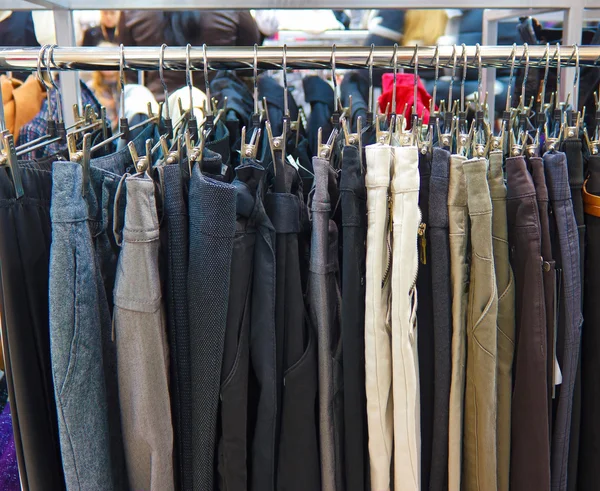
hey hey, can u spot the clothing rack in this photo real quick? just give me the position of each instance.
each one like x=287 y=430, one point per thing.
x=231 y=58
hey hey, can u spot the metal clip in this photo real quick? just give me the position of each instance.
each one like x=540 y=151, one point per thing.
x=276 y=143
x=383 y=137
x=81 y=156
x=8 y=156
x=144 y=163
x=532 y=150
x=516 y=145
x=249 y=150
x=324 y=150
x=552 y=143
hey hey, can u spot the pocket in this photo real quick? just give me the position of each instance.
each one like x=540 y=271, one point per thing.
x=299 y=463
x=483 y=304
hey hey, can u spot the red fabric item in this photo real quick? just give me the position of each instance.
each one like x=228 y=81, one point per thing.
x=405 y=95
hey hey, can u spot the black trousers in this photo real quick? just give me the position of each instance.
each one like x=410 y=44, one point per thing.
x=233 y=443
x=211 y=232
x=24 y=258
x=425 y=323
x=437 y=243
x=589 y=443
x=174 y=238
x=354 y=233
x=298 y=453
x=530 y=439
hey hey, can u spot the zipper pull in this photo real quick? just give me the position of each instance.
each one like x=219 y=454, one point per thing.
x=423 y=241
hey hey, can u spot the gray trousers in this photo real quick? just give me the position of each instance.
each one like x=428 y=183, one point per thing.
x=142 y=350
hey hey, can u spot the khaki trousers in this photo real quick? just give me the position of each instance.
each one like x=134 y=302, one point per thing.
x=479 y=437
x=407 y=412
x=458 y=230
x=378 y=336
x=506 y=315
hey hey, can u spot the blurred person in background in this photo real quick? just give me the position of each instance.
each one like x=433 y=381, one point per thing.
x=178 y=28
x=106 y=31
x=17 y=29
x=106 y=87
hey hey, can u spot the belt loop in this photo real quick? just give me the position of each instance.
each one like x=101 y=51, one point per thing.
x=116 y=227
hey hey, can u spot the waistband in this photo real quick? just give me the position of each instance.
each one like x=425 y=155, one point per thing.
x=406 y=169
x=352 y=178
x=284 y=211
x=37 y=185
x=212 y=203
x=68 y=202
x=248 y=176
x=440 y=164
x=496 y=175
x=518 y=178
x=141 y=220
x=379 y=159
x=574 y=156
x=478 y=192
x=539 y=180
x=174 y=204
x=457 y=190
x=320 y=201
x=557 y=176
x=438 y=188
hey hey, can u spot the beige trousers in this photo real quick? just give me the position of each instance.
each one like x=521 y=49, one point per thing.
x=407 y=414
x=458 y=230
x=378 y=340
x=506 y=315
x=480 y=423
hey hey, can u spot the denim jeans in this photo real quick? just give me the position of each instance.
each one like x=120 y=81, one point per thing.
x=211 y=232
x=142 y=350
x=570 y=316
x=76 y=325
x=324 y=301
x=530 y=439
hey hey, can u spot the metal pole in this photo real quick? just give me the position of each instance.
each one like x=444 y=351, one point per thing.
x=231 y=58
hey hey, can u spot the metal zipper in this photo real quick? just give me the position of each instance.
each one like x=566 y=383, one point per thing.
x=423 y=242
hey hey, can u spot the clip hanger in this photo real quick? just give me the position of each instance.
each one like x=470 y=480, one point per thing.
x=81 y=157
x=8 y=156
x=249 y=150
x=324 y=150
x=144 y=163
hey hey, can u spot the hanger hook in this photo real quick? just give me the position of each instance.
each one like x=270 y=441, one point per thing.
x=479 y=74
x=40 y=57
x=49 y=61
x=436 y=58
x=334 y=79
x=513 y=55
x=576 y=79
x=454 y=55
x=188 y=76
x=255 y=82
x=526 y=74
x=415 y=78
x=286 y=109
x=370 y=63
x=161 y=74
x=206 y=84
x=122 y=77
x=545 y=79
x=464 y=77
x=395 y=65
